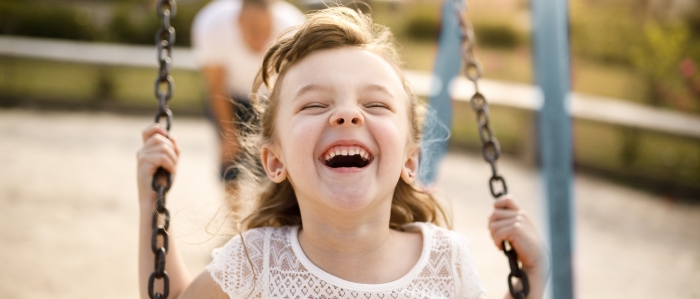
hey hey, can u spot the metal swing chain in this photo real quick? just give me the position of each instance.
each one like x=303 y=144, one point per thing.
x=162 y=180
x=490 y=148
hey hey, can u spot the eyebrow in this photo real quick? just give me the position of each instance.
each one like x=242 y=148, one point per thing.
x=309 y=88
x=379 y=88
x=314 y=87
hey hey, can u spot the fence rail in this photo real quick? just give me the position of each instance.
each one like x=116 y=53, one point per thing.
x=521 y=96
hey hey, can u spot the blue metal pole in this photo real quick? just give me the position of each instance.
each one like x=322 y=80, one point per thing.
x=448 y=63
x=551 y=45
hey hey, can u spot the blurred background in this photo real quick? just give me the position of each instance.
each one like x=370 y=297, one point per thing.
x=644 y=52
x=76 y=87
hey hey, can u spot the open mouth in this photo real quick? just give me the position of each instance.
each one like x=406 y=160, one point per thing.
x=347 y=157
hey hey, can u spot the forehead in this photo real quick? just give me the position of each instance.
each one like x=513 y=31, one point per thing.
x=347 y=68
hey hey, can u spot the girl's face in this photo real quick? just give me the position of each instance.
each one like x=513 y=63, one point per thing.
x=342 y=131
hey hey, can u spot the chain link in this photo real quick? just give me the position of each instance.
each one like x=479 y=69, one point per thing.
x=162 y=180
x=490 y=148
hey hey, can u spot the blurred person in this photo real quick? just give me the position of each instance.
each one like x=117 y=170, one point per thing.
x=229 y=38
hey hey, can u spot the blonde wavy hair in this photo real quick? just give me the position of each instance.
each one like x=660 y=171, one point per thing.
x=275 y=204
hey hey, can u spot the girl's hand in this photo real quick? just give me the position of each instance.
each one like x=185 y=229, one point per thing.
x=510 y=223
x=158 y=151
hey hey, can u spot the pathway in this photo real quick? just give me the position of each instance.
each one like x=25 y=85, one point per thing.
x=69 y=213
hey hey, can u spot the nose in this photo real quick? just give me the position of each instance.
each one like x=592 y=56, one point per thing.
x=347 y=116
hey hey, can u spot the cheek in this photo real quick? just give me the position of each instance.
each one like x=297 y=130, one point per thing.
x=392 y=136
x=298 y=138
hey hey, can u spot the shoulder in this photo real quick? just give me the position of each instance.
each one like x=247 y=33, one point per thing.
x=236 y=265
x=247 y=245
x=467 y=280
x=215 y=14
x=286 y=15
x=450 y=245
x=203 y=286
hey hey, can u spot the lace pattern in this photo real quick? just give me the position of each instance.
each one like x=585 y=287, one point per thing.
x=277 y=270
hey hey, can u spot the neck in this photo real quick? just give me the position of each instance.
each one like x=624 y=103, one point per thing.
x=358 y=245
x=346 y=240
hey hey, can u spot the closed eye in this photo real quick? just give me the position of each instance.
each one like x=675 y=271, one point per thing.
x=378 y=105
x=312 y=106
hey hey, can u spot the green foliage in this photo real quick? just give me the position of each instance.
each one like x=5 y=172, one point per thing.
x=658 y=58
x=130 y=22
x=422 y=22
x=604 y=33
x=692 y=20
x=45 y=21
x=662 y=50
x=134 y=24
x=497 y=35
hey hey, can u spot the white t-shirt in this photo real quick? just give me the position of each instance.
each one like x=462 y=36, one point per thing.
x=217 y=41
x=278 y=268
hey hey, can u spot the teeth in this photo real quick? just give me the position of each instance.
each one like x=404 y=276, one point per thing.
x=350 y=151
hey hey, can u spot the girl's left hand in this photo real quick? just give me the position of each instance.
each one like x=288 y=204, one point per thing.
x=511 y=223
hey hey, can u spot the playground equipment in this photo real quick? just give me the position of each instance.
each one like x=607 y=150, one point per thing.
x=551 y=50
x=457 y=42
x=162 y=180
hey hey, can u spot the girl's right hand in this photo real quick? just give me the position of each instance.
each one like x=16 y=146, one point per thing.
x=158 y=150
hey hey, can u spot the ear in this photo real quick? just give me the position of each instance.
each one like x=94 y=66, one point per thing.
x=409 y=172
x=274 y=167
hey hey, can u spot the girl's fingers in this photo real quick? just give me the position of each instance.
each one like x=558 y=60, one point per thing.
x=496 y=225
x=506 y=202
x=158 y=151
x=167 y=152
x=151 y=130
x=506 y=233
x=161 y=143
x=175 y=145
x=499 y=238
x=499 y=214
x=153 y=160
x=158 y=140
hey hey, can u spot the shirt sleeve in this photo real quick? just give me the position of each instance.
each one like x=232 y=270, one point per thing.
x=467 y=282
x=236 y=267
x=286 y=16
x=207 y=32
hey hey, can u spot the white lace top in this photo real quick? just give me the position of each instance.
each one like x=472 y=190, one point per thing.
x=280 y=269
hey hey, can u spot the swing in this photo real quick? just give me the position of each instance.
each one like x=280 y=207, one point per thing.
x=162 y=180
x=457 y=42
x=490 y=148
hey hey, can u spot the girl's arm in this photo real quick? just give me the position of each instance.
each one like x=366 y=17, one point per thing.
x=157 y=151
x=161 y=151
x=510 y=223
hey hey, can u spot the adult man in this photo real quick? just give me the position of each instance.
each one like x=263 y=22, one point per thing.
x=229 y=38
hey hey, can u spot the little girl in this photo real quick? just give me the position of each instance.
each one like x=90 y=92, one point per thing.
x=338 y=214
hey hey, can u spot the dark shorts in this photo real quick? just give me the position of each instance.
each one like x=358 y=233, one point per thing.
x=244 y=114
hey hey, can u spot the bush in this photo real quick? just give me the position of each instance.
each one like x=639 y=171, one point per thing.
x=605 y=33
x=43 y=21
x=497 y=35
x=132 y=25
x=131 y=22
x=423 y=23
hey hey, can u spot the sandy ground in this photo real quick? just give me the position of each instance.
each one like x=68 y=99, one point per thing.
x=69 y=214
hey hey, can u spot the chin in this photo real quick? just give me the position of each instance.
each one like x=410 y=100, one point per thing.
x=350 y=199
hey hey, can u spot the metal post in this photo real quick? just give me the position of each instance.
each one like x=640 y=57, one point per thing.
x=551 y=45
x=448 y=63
